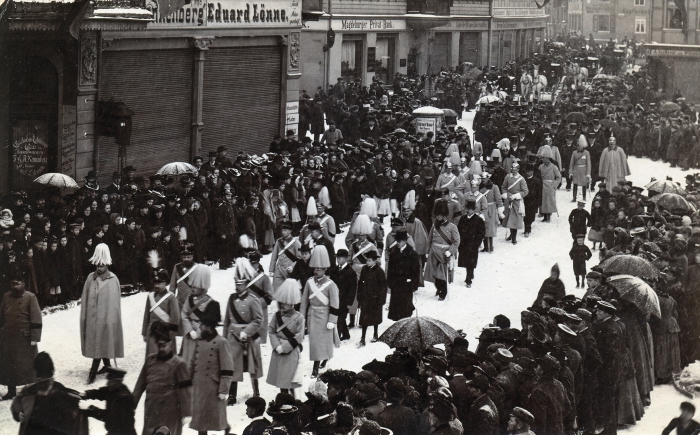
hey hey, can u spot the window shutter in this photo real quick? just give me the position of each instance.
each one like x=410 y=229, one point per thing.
x=595 y=23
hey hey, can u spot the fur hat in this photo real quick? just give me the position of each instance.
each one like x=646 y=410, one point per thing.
x=441 y=208
x=369 y=208
x=288 y=292
x=311 y=209
x=211 y=315
x=160 y=331
x=319 y=258
x=243 y=271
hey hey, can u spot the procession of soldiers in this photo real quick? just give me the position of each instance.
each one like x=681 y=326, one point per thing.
x=318 y=203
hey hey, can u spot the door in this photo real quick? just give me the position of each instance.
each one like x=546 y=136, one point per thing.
x=469 y=47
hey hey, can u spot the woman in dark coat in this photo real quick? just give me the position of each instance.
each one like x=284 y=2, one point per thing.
x=371 y=295
x=471 y=233
x=403 y=276
x=552 y=287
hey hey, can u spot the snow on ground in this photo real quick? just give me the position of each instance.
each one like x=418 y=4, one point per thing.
x=506 y=282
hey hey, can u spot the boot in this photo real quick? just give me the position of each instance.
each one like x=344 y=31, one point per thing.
x=352 y=321
x=314 y=371
x=490 y=244
x=323 y=364
x=232 y=393
x=11 y=393
x=256 y=388
x=92 y=376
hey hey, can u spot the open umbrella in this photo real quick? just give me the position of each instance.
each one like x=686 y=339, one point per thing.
x=665 y=186
x=57 y=180
x=609 y=123
x=630 y=265
x=672 y=201
x=418 y=333
x=636 y=291
x=449 y=112
x=576 y=117
x=487 y=99
x=177 y=168
x=669 y=107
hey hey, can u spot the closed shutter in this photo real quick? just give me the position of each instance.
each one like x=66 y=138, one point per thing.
x=440 y=52
x=469 y=47
x=157 y=86
x=241 y=104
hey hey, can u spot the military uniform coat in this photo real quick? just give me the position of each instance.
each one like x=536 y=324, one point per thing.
x=580 y=167
x=438 y=265
x=179 y=285
x=211 y=370
x=319 y=304
x=283 y=366
x=168 y=389
x=167 y=311
x=371 y=294
x=246 y=354
x=551 y=178
x=403 y=278
x=514 y=190
x=189 y=316
x=20 y=324
x=261 y=287
x=285 y=254
x=101 y=334
x=494 y=203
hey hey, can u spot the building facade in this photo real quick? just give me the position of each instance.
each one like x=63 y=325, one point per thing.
x=381 y=38
x=202 y=75
x=616 y=20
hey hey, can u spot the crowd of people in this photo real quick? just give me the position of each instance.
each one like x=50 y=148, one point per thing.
x=576 y=364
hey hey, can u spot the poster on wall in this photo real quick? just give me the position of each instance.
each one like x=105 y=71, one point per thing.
x=371 y=58
x=69 y=143
x=30 y=146
x=424 y=125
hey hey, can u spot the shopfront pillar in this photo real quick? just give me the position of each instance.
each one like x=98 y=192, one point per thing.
x=371 y=42
x=201 y=46
x=454 y=58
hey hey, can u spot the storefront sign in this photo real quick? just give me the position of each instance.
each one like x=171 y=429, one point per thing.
x=466 y=25
x=424 y=125
x=30 y=148
x=68 y=143
x=292 y=107
x=233 y=14
x=501 y=25
x=518 y=12
x=370 y=25
x=665 y=52
x=292 y=118
x=600 y=8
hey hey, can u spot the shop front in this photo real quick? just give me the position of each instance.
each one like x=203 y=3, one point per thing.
x=461 y=40
x=673 y=67
x=364 y=48
x=515 y=39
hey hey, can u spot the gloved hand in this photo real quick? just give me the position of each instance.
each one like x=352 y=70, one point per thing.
x=243 y=336
x=223 y=396
x=501 y=216
x=330 y=325
x=290 y=269
x=186 y=421
x=279 y=349
x=194 y=335
x=504 y=195
x=448 y=254
x=588 y=177
x=517 y=196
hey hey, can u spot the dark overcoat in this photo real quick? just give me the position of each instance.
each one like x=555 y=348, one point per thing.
x=403 y=277
x=371 y=294
x=20 y=324
x=471 y=234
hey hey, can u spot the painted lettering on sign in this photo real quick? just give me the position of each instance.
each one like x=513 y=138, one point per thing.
x=424 y=125
x=367 y=25
x=232 y=13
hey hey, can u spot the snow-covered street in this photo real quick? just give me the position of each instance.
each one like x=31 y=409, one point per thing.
x=506 y=282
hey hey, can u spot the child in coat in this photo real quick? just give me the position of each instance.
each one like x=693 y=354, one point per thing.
x=371 y=294
x=580 y=254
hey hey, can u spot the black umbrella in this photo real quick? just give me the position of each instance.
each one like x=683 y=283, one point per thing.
x=418 y=333
x=576 y=117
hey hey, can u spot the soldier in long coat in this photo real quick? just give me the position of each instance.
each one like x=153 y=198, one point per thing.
x=211 y=371
x=20 y=331
x=471 y=233
x=286 y=336
x=613 y=165
x=243 y=327
x=101 y=334
x=192 y=310
x=161 y=305
x=180 y=282
x=580 y=170
x=166 y=381
x=514 y=191
x=403 y=276
x=493 y=213
x=261 y=286
x=443 y=240
x=285 y=254
x=319 y=304
x=551 y=178
x=371 y=294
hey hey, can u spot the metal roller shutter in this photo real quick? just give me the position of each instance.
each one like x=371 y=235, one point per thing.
x=157 y=85
x=469 y=48
x=241 y=99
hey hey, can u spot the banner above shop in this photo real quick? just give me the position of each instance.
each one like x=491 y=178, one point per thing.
x=232 y=14
x=359 y=25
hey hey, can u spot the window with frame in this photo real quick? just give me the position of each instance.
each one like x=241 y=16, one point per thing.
x=640 y=25
x=674 y=16
x=639 y=2
x=603 y=23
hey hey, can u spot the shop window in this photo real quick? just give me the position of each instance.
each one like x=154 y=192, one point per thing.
x=384 y=59
x=351 y=59
x=640 y=25
x=603 y=23
x=674 y=15
x=639 y=2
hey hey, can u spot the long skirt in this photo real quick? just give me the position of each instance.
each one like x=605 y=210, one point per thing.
x=595 y=235
x=630 y=408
